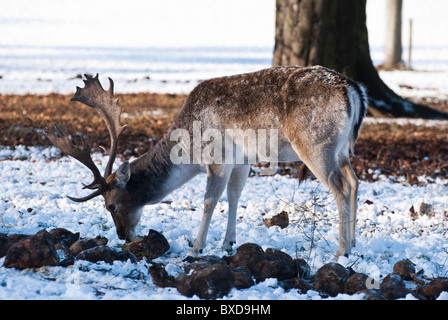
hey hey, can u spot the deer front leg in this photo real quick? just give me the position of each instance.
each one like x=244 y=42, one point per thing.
x=217 y=178
x=234 y=187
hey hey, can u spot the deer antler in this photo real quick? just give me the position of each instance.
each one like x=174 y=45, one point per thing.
x=93 y=95
x=80 y=153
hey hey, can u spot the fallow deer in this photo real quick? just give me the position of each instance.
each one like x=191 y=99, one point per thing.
x=316 y=112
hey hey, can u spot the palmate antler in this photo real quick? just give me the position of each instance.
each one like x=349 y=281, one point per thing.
x=93 y=95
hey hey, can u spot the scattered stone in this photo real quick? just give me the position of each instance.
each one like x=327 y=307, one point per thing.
x=404 y=268
x=5 y=244
x=81 y=245
x=125 y=256
x=281 y=220
x=302 y=268
x=100 y=240
x=355 y=283
x=6 y=241
x=72 y=247
x=202 y=262
x=212 y=277
x=211 y=282
x=434 y=288
x=277 y=265
x=275 y=254
x=393 y=287
x=392 y=280
x=104 y=253
x=419 y=277
x=397 y=293
x=331 y=279
x=98 y=253
x=32 y=252
x=15 y=237
x=66 y=257
x=297 y=283
x=271 y=269
x=243 y=278
x=371 y=294
x=160 y=277
x=247 y=255
x=64 y=236
x=152 y=246
x=67 y=261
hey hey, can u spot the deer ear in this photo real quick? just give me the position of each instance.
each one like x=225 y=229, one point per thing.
x=123 y=173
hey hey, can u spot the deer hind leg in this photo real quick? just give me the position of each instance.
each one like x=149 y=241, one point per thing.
x=236 y=184
x=217 y=178
x=324 y=163
x=348 y=172
x=341 y=190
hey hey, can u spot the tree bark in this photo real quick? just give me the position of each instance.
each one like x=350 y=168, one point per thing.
x=333 y=33
x=394 y=48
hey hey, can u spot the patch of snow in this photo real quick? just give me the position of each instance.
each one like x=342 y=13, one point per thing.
x=386 y=231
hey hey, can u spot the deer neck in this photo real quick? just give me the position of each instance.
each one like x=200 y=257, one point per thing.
x=154 y=176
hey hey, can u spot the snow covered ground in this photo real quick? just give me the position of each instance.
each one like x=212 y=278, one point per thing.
x=41 y=51
x=33 y=193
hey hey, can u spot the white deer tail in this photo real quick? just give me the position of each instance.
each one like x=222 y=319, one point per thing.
x=358 y=100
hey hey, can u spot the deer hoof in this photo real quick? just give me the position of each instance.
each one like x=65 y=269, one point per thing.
x=227 y=246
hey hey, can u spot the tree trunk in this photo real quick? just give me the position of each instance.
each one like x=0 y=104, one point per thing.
x=333 y=33
x=394 y=47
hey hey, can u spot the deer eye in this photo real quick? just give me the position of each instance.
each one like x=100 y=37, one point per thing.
x=111 y=208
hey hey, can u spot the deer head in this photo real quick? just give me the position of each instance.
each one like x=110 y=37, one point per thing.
x=112 y=186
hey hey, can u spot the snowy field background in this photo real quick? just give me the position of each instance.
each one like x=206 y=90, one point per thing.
x=168 y=46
